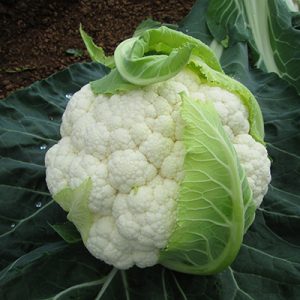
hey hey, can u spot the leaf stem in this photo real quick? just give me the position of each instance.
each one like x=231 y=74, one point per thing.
x=26 y=219
x=125 y=283
x=109 y=278
x=179 y=287
x=78 y=286
x=164 y=283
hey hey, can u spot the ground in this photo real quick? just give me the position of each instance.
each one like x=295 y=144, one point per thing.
x=36 y=35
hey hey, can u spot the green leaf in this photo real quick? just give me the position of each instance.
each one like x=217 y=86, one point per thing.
x=153 y=56
x=68 y=232
x=75 y=202
x=194 y=24
x=111 y=84
x=96 y=53
x=266 y=25
x=210 y=226
x=215 y=78
x=159 y=54
x=153 y=68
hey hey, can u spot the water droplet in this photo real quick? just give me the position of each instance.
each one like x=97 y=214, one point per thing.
x=43 y=147
x=186 y=30
x=50 y=118
x=38 y=204
x=68 y=96
x=12 y=225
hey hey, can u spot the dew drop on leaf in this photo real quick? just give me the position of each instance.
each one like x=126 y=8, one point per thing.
x=38 y=204
x=50 y=118
x=68 y=96
x=43 y=147
x=12 y=225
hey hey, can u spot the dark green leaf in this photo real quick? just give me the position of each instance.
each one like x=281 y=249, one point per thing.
x=145 y=25
x=32 y=256
x=270 y=29
x=194 y=23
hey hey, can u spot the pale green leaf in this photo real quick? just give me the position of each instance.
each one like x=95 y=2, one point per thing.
x=96 y=53
x=212 y=198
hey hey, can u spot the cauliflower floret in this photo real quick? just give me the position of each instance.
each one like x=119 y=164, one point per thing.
x=253 y=157
x=128 y=169
x=172 y=167
x=156 y=148
x=58 y=161
x=130 y=145
x=106 y=243
x=145 y=215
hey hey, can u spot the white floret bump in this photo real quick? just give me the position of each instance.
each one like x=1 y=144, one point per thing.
x=130 y=145
x=128 y=169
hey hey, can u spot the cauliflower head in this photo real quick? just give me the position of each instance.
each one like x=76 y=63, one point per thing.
x=138 y=178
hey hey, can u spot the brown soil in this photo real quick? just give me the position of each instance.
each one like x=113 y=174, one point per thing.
x=35 y=34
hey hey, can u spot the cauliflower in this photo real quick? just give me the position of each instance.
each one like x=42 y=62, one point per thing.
x=166 y=172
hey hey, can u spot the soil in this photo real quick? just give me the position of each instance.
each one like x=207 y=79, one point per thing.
x=40 y=37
